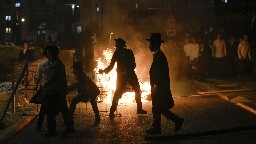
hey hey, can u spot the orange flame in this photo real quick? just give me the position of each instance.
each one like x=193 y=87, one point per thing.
x=107 y=82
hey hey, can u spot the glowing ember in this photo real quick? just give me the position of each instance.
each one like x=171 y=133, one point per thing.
x=107 y=82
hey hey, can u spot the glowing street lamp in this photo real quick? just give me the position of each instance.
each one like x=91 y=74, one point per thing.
x=110 y=37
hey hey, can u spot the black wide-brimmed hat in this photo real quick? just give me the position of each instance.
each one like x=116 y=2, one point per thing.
x=155 y=37
x=121 y=41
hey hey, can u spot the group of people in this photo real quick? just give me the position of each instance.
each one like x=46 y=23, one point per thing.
x=54 y=88
x=218 y=58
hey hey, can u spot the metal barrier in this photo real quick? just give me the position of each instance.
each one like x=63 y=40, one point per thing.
x=23 y=74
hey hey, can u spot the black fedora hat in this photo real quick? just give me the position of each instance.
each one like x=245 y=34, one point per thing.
x=120 y=41
x=156 y=37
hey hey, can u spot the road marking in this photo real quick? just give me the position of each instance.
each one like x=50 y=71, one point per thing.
x=246 y=108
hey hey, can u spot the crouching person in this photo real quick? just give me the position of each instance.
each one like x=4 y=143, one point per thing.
x=87 y=91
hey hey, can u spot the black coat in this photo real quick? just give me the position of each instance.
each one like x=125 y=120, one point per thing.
x=85 y=87
x=159 y=76
x=55 y=86
x=204 y=58
x=28 y=55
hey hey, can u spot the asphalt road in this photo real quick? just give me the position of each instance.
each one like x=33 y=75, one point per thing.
x=208 y=119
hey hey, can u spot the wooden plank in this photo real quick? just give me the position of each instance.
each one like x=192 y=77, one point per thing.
x=225 y=91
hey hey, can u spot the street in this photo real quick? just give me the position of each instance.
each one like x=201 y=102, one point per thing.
x=208 y=119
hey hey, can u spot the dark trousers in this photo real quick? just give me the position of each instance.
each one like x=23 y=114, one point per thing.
x=121 y=83
x=157 y=111
x=81 y=98
x=52 y=110
x=51 y=113
x=67 y=117
x=41 y=115
x=220 y=64
x=244 y=67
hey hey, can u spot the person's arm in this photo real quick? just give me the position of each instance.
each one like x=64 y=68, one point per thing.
x=111 y=65
x=239 y=51
x=225 y=48
x=38 y=76
x=72 y=87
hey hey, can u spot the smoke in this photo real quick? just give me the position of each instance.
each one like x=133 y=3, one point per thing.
x=135 y=27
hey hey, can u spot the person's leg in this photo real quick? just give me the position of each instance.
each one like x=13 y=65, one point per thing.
x=136 y=87
x=120 y=88
x=51 y=122
x=96 y=111
x=118 y=94
x=73 y=104
x=156 y=125
x=67 y=117
x=172 y=116
x=40 y=120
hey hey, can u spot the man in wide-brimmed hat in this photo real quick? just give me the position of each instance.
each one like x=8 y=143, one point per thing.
x=161 y=94
x=87 y=90
x=125 y=73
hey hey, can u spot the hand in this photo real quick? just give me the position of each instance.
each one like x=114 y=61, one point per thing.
x=101 y=71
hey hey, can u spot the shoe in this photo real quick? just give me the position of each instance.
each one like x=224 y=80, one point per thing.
x=111 y=115
x=178 y=124
x=48 y=134
x=68 y=131
x=154 y=131
x=141 y=111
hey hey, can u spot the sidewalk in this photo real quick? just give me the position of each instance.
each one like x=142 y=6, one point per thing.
x=241 y=92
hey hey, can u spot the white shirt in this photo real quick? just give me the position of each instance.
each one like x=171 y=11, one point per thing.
x=243 y=50
x=191 y=50
x=219 y=48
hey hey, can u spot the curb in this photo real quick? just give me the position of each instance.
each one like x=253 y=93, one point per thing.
x=13 y=132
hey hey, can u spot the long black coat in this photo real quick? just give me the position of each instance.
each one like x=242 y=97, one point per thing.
x=86 y=88
x=159 y=76
x=55 y=86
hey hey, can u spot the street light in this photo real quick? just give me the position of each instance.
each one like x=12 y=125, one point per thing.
x=110 y=37
x=23 y=20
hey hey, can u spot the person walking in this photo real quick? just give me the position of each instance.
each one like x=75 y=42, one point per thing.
x=54 y=91
x=125 y=73
x=87 y=90
x=161 y=94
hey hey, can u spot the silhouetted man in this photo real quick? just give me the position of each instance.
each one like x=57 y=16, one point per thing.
x=125 y=73
x=54 y=91
x=161 y=94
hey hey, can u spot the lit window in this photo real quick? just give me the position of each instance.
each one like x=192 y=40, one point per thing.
x=225 y=1
x=8 y=30
x=136 y=6
x=97 y=9
x=17 y=5
x=8 y=18
x=78 y=29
